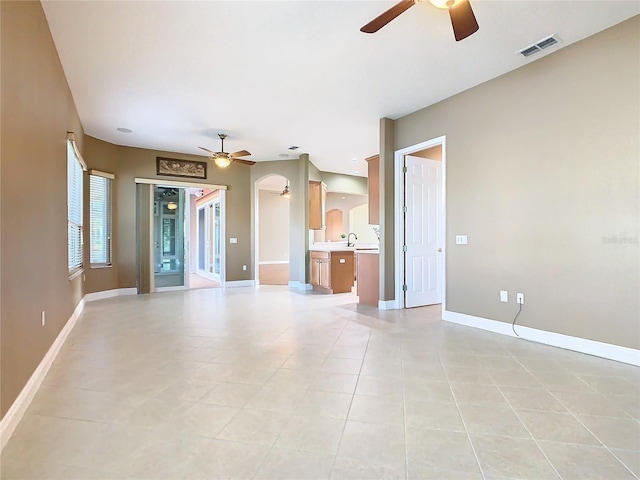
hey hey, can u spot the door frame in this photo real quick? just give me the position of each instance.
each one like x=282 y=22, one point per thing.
x=399 y=302
x=157 y=182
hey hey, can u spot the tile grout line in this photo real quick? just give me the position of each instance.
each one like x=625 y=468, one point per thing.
x=535 y=441
x=570 y=412
x=344 y=427
x=464 y=424
x=593 y=433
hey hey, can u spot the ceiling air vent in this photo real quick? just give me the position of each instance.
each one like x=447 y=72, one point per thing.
x=541 y=45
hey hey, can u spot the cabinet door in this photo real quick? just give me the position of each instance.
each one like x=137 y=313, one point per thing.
x=317 y=201
x=325 y=273
x=315 y=205
x=373 y=171
x=315 y=272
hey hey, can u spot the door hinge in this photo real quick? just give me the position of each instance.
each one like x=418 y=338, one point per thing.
x=404 y=248
x=404 y=288
x=404 y=209
x=404 y=169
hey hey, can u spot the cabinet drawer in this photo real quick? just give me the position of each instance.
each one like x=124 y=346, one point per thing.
x=320 y=255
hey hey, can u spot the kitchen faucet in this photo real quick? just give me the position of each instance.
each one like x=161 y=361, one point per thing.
x=349 y=244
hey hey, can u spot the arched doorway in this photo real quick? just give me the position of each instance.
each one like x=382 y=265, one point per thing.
x=272 y=231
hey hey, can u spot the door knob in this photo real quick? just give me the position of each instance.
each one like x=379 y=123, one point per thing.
x=439 y=250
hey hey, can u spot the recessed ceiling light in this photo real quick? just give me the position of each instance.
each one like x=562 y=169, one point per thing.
x=354 y=159
x=356 y=171
x=124 y=130
x=283 y=155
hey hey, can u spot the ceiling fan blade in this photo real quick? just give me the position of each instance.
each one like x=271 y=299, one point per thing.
x=241 y=153
x=381 y=20
x=463 y=20
x=207 y=150
x=245 y=162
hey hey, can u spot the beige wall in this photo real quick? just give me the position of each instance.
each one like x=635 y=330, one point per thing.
x=344 y=203
x=37 y=112
x=337 y=182
x=273 y=237
x=542 y=171
x=102 y=156
x=141 y=163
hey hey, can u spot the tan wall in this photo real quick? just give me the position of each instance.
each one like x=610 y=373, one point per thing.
x=344 y=203
x=37 y=112
x=542 y=171
x=274 y=227
x=433 y=153
x=141 y=163
x=102 y=156
x=337 y=182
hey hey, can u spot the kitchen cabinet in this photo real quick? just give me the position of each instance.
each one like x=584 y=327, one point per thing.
x=317 y=205
x=331 y=272
x=373 y=189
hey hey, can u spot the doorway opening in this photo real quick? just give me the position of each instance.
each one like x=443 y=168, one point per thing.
x=168 y=232
x=272 y=230
x=420 y=220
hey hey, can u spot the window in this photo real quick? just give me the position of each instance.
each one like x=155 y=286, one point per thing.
x=75 y=167
x=100 y=218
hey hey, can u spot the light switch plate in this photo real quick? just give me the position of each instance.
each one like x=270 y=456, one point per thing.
x=233 y=240
x=461 y=239
x=504 y=296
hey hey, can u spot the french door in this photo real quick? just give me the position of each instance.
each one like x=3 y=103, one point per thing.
x=210 y=239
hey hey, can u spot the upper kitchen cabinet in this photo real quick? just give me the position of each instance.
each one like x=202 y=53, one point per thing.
x=373 y=164
x=317 y=205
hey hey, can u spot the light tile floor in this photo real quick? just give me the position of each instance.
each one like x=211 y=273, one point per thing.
x=271 y=384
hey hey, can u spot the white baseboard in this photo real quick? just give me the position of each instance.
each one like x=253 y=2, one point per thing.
x=274 y=262
x=15 y=413
x=170 y=289
x=386 y=304
x=582 y=345
x=240 y=283
x=118 y=292
x=296 y=285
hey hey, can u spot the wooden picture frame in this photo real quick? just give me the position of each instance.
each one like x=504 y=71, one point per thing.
x=172 y=167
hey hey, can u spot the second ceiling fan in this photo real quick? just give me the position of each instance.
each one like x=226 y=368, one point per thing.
x=224 y=159
x=463 y=19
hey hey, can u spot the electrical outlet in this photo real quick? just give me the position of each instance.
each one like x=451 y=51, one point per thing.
x=520 y=298
x=244 y=267
x=504 y=296
x=461 y=239
x=43 y=318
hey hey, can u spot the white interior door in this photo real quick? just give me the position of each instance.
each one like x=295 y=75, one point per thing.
x=424 y=232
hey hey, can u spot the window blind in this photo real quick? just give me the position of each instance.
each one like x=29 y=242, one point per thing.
x=74 y=208
x=99 y=219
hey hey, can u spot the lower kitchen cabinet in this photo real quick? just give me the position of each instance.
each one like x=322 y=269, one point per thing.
x=332 y=272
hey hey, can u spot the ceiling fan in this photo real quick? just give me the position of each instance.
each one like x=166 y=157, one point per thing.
x=224 y=159
x=284 y=193
x=462 y=18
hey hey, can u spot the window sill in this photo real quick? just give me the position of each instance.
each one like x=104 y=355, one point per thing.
x=98 y=266
x=76 y=273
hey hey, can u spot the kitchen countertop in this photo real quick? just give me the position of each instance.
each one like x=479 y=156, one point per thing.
x=342 y=247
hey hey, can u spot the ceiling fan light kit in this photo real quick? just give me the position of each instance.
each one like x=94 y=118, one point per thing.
x=223 y=159
x=463 y=20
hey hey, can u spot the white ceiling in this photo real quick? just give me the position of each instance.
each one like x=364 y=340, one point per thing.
x=272 y=74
